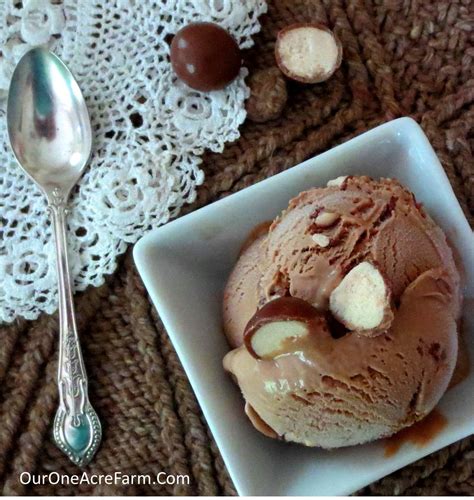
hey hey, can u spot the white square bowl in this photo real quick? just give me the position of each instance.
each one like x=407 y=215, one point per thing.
x=185 y=265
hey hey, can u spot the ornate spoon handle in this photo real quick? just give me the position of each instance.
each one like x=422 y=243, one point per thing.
x=77 y=430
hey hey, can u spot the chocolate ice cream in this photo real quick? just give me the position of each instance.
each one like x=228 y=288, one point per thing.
x=375 y=345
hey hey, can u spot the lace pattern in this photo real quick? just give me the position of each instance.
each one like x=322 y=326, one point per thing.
x=149 y=133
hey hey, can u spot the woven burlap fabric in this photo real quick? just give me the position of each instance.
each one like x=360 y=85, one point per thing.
x=400 y=58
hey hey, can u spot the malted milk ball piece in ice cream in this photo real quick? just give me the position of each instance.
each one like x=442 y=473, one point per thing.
x=282 y=326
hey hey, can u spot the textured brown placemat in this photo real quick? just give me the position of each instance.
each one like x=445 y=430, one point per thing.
x=400 y=58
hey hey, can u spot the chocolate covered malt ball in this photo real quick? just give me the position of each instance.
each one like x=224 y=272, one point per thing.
x=205 y=56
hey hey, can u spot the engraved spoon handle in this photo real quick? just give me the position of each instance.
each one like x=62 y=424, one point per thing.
x=77 y=430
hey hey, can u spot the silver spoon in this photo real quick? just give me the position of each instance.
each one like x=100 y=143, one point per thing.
x=50 y=133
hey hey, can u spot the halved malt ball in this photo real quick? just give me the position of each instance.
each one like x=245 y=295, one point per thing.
x=281 y=326
x=308 y=52
x=362 y=301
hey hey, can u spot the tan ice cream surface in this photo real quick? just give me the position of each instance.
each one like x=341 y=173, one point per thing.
x=240 y=296
x=353 y=389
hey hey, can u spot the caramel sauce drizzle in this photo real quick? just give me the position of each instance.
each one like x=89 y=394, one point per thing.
x=419 y=434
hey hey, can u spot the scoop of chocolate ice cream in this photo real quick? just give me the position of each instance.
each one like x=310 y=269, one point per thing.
x=366 y=256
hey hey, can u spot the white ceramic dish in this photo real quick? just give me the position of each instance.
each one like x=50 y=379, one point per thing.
x=185 y=264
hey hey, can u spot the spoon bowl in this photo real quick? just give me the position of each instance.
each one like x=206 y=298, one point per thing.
x=48 y=122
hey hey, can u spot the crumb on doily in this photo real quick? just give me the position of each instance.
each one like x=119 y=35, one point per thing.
x=268 y=95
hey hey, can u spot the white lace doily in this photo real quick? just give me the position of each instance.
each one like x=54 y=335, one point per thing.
x=149 y=133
